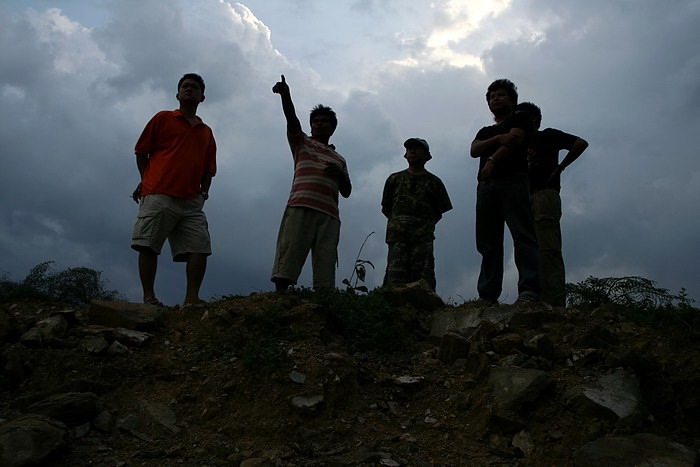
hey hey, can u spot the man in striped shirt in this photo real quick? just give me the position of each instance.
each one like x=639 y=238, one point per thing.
x=311 y=220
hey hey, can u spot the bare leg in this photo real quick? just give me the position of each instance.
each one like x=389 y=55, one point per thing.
x=196 y=267
x=148 y=265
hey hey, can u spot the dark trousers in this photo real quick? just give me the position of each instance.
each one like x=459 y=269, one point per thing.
x=500 y=202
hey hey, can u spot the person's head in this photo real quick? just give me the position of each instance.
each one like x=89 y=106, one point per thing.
x=323 y=121
x=502 y=97
x=190 y=87
x=533 y=112
x=417 y=152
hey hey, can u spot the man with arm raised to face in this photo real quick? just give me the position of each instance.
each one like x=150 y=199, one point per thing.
x=503 y=198
x=311 y=220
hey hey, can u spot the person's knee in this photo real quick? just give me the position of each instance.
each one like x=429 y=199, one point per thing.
x=144 y=250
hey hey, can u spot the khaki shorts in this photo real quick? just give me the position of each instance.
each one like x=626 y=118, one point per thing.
x=303 y=230
x=181 y=221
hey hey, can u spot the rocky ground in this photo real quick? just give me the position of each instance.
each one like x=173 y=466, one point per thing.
x=309 y=379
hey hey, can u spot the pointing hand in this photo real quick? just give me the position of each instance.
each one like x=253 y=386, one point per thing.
x=280 y=87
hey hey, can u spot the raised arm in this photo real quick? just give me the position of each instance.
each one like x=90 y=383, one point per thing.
x=293 y=124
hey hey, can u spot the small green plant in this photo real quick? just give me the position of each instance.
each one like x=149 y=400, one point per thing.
x=359 y=271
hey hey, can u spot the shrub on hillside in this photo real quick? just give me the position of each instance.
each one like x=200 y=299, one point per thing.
x=637 y=295
x=73 y=285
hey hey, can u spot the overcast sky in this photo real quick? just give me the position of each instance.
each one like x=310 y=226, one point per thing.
x=79 y=80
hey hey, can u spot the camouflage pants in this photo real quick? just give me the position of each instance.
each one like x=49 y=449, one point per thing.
x=410 y=262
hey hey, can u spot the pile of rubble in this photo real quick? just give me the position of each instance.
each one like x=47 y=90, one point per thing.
x=120 y=383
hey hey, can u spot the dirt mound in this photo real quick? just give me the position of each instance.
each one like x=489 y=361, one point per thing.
x=335 y=379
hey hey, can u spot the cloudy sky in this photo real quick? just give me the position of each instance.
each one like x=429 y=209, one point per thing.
x=80 y=78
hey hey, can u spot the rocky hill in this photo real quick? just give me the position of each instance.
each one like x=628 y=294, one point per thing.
x=306 y=379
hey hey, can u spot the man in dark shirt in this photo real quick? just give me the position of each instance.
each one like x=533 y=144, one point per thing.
x=502 y=197
x=545 y=183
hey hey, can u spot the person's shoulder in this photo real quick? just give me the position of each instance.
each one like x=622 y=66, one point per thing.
x=163 y=114
x=488 y=127
x=400 y=173
x=169 y=113
x=550 y=131
x=297 y=139
x=485 y=132
x=434 y=179
x=329 y=149
x=302 y=136
x=202 y=122
x=160 y=117
x=337 y=154
x=557 y=134
x=520 y=120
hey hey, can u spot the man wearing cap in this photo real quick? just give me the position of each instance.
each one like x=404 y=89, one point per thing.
x=413 y=201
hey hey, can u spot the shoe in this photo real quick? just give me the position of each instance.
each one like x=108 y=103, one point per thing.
x=154 y=301
x=526 y=299
x=282 y=285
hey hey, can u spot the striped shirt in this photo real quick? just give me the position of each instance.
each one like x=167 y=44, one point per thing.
x=311 y=187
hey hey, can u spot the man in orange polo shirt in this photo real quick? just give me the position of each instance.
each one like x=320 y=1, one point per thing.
x=176 y=157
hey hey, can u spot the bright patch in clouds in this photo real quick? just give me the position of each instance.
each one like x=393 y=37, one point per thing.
x=463 y=18
x=68 y=41
x=462 y=31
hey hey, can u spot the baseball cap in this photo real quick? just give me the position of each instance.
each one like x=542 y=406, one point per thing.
x=420 y=141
